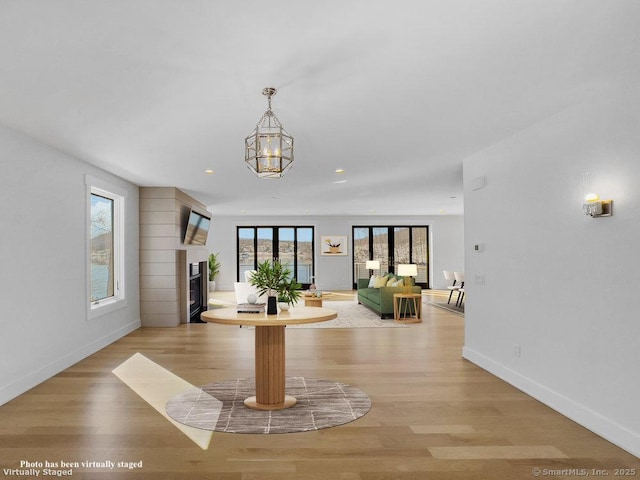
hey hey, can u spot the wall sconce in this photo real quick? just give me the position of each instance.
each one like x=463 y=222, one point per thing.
x=594 y=207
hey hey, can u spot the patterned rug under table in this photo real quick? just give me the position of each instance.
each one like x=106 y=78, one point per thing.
x=220 y=407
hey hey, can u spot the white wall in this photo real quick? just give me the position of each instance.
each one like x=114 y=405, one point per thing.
x=561 y=285
x=335 y=273
x=43 y=295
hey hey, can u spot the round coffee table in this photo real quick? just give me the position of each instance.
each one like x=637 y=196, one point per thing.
x=269 y=348
x=311 y=300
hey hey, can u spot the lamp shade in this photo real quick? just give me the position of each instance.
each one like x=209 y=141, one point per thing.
x=372 y=265
x=408 y=270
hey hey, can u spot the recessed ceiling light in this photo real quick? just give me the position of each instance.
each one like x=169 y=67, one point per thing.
x=340 y=181
x=339 y=170
x=208 y=171
x=452 y=196
x=372 y=211
x=243 y=211
x=441 y=211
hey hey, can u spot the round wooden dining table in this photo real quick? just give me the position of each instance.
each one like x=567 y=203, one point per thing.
x=269 y=348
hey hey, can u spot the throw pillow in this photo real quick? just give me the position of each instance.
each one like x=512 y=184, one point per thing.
x=380 y=282
x=372 y=281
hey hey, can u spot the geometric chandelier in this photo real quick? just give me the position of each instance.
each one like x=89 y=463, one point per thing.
x=268 y=149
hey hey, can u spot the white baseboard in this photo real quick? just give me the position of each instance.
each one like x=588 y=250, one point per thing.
x=590 y=419
x=30 y=380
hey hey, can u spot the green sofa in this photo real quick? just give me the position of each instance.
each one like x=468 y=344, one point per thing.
x=380 y=300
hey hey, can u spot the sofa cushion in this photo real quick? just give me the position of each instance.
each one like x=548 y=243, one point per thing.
x=407 y=282
x=381 y=282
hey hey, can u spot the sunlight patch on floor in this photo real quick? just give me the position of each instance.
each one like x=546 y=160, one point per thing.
x=156 y=386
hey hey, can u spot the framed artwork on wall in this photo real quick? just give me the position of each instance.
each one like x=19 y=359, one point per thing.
x=334 y=245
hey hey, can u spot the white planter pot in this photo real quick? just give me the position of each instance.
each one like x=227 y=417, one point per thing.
x=284 y=306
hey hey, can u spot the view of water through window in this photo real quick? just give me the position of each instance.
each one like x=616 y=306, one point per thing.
x=391 y=246
x=292 y=246
x=102 y=279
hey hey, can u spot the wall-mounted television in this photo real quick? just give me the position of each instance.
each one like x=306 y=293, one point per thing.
x=197 y=229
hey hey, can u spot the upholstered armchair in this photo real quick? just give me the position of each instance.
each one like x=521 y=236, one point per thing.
x=244 y=289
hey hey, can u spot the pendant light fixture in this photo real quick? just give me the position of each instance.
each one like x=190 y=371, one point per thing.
x=268 y=150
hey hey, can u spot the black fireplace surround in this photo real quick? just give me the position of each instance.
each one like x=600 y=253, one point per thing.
x=197 y=291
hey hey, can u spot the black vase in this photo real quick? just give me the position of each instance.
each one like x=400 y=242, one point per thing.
x=272 y=306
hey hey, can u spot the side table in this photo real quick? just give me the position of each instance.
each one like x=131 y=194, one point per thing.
x=402 y=307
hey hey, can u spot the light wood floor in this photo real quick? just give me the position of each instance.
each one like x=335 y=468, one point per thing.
x=434 y=414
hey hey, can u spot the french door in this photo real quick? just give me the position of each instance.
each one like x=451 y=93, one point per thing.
x=292 y=246
x=391 y=246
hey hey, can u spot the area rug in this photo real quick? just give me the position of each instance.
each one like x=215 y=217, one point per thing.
x=321 y=404
x=449 y=307
x=350 y=315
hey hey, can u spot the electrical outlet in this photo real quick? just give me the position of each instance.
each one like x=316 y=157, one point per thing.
x=479 y=279
x=517 y=350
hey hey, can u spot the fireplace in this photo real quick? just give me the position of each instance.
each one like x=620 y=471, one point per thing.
x=197 y=291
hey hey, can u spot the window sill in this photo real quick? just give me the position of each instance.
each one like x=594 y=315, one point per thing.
x=105 y=307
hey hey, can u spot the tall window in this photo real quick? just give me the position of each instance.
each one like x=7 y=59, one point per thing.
x=292 y=246
x=105 y=247
x=102 y=264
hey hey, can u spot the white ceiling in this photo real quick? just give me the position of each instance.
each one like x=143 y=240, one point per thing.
x=396 y=93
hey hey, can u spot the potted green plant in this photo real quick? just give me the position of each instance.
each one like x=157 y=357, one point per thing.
x=214 y=269
x=275 y=280
x=288 y=293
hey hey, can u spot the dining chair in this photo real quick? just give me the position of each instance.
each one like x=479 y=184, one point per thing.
x=459 y=276
x=450 y=277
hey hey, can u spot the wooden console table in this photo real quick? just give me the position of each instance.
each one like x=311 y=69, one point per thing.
x=269 y=348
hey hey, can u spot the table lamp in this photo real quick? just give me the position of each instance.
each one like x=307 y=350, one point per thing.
x=372 y=265
x=407 y=270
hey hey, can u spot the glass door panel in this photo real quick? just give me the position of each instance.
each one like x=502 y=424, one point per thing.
x=360 y=252
x=420 y=254
x=381 y=247
x=286 y=247
x=401 y=247
x=265 y=244
x=246 y=251
x=304 y=256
